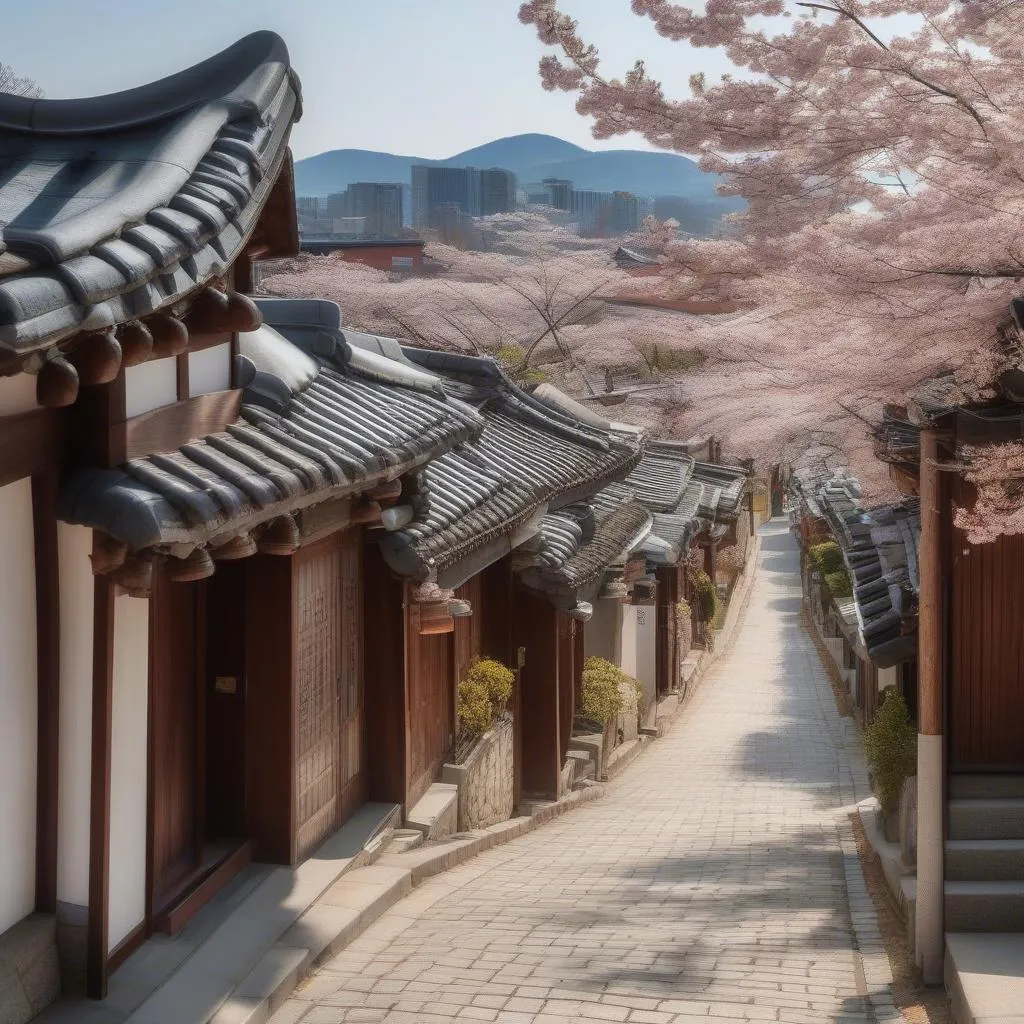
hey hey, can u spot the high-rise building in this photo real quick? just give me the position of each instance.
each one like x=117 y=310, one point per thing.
x=497 y=191
x=624 y=213
x=560 y=192
x=433 y=187
x=589 y=208
x=337 y=205
x=380 y=203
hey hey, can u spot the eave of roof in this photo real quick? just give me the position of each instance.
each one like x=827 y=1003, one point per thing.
x=124 y=204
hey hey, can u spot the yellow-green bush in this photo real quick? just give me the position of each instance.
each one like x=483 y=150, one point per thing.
x=838 y=583
x=890 y=743
x=601 y=699
x=483 y=694
x=497 y=679
x=826 y=557
x=475 y=711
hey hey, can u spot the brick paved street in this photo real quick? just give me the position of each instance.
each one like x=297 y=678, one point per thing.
x=709 y=885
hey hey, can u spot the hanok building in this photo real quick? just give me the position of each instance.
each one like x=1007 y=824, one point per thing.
x=489 y=511
x=184 y=690
x=874 y=630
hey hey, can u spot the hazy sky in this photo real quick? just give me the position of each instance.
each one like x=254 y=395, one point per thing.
x=420 y=77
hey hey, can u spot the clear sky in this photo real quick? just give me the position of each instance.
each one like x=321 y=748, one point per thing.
x=425 y=78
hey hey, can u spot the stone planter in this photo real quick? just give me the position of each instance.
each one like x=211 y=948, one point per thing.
x=485 y=779
x=907 y=819
x=627 y=723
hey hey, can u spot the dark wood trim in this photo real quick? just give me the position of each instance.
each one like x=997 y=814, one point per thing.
x=31 y=443
x=200 y=342
x=128 y=945
x=44 y=520
x=166 y=429
x=219 y=870
x=97 y=962
x=96 y=422
x=181 y=365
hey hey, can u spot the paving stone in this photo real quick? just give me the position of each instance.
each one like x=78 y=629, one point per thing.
x=716 y=881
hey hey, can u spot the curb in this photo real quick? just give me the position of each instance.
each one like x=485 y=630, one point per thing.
x=358 y=899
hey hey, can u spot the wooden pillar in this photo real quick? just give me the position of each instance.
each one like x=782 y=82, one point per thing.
x=929 y=938
x=44 y=516
x=99 y=790
x=537 y=632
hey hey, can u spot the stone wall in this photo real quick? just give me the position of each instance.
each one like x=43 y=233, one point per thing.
x=485 y=779
x=628 y=721
x=29 y=970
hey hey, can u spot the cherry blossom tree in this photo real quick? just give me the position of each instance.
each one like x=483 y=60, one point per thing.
x=877 y=144
x=536 y=297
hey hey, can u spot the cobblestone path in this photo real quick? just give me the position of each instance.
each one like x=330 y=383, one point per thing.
x=715 y=882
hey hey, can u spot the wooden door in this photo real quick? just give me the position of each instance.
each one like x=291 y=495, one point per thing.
x=175 y=743
x=666 y=671
x=327 y=617
x=986 y=664
x=431 y=704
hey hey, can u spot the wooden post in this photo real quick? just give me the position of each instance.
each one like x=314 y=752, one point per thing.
x=928 y=926
x=99 y=811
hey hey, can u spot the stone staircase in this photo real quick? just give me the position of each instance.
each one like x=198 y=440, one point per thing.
x=985 y=854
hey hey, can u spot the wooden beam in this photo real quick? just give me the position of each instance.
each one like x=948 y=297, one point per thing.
x=44 y=517
x=170 y=335
x=164 y=430
x=57 y=384
x=96 y=357
x=99 y=791
x=32 y=443
x=136 y=342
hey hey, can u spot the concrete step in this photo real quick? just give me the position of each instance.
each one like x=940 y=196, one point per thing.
x=986 y=819
x=405 y=839
x=986 y=787
x=436 y=814
x=985 y=977
x=984 y=906
x=985 y=860
x=583 y=765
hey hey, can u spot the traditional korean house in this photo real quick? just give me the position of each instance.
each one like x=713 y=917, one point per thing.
x=476 y=506
x=184 y=491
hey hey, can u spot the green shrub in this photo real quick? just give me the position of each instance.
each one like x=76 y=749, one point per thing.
x=474 y=708
x=838 y=583
x=682 y=610
x=890 y=743
x=826 y=557
x=601 y=698
x=496 y=678
x=705 y=596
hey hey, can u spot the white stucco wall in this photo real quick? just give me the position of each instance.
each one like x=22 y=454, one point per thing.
x=18 y=689
x=150 y=385
x=888 y=677
x=17 y=394
x=74 y=543
x=128 y=767
x=627 y=651
x=646 y=626
x=601 y=633
x=209 y=370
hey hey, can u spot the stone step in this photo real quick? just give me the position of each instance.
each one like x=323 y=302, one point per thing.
x=436 y=814
x=984 y=860
x=583 y=766
x=986 y=787
x=984 y=906
x=985 y=977
x=405 y=839
x=986 y=819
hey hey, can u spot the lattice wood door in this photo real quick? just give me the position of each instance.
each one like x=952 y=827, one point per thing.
x=328 y=689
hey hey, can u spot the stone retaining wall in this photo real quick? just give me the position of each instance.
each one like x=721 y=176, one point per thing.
x=485 y=779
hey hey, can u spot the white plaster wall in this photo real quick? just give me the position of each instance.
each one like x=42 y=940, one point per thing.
x=128 y=767
x=627 y=652
x=646 y=626
x=209 y=370
x=150 y=385
x=888 y=677
x=17 y=394
x=18 y=688
x=74 y=544
x=601 y=632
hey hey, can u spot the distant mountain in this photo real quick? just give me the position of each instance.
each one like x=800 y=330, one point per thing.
x=532 y=157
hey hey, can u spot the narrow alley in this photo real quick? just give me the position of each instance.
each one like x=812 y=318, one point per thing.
x=716 y=881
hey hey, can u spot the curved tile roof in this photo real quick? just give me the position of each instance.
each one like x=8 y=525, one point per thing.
x=116 y=206
x=339 y=432
x=529 y=457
